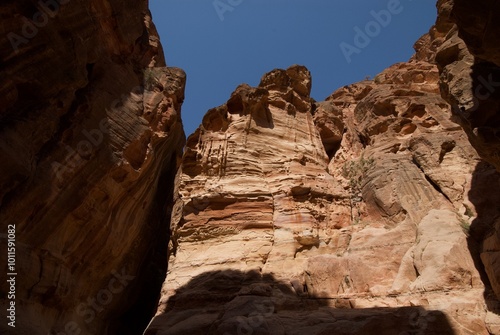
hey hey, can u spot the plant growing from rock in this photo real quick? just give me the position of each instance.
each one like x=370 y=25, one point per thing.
x=356 y=171
x=465 y=225
x=149 y=78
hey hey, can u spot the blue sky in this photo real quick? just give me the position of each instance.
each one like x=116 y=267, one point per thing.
x=223 y=43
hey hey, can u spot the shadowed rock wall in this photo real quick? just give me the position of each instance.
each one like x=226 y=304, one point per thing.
x=469 y=64
x=90 y=138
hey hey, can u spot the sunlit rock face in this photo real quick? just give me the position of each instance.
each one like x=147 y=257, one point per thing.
x=294 y=216
x=254 y=182
x=90 y=137
x=366 y=213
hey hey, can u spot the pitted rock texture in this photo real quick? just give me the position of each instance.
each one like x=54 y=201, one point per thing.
x=469 y=63
x=90 y=139
x=294 y=216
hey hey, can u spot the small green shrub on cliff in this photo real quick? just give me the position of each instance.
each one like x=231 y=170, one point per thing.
x=355 y=172
x=149 y=78
x=465 y=226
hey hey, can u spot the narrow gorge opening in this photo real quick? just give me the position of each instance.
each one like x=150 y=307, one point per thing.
x=335 y=196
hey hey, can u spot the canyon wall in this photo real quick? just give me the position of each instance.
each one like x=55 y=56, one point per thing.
x=469 y=62
x=347 y=216
x=362 y=214
x=371 y=212
x=469 y=65
x=90 y=140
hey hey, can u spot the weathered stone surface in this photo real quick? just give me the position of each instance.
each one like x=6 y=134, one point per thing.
x=367 y=213
x=254 y=175
x=469 y=61
x=90 y=136
x=476 y=26
x=335 y=209
x=235 y=302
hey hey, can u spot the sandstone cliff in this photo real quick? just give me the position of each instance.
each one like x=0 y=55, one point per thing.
x=363 y=214
x=469 y=64
x=348 y=216
x=367 y=213
x=90 y=136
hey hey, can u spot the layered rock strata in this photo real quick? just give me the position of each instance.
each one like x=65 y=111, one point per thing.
x=367 y=213
x=90 y=139
x=348 y=216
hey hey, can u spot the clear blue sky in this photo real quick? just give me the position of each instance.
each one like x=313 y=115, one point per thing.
x=243 y=39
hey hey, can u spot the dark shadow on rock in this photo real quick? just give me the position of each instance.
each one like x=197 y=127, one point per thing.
x=482 y=121
x=485 y=197
x=486 y=89
x=232 y=302
x=263 y=117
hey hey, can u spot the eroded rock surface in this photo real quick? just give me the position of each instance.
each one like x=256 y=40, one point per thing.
x=90 y=137
x=293 y=214
x=367 y=213
x=469 y=63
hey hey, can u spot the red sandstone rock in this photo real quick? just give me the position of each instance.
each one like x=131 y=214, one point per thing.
x=334 y=209
x=90 y=136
